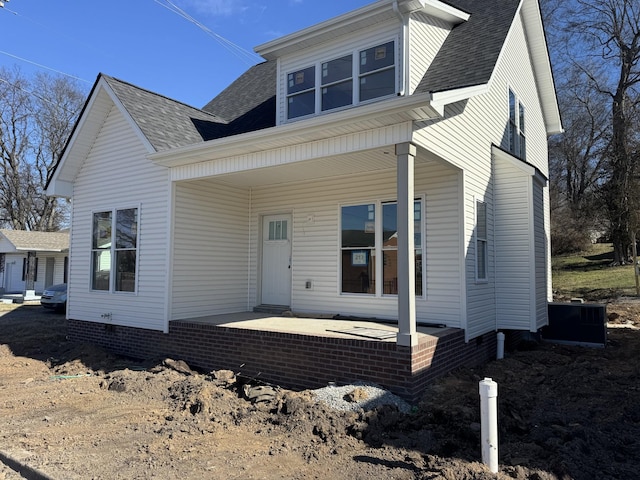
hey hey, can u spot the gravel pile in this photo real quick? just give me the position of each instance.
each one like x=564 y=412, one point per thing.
x=359 y=397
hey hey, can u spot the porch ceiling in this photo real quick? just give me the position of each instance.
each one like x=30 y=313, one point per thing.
x=326 y=167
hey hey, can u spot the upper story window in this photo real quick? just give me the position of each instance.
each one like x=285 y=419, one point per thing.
x=348 y=80
x=517 y=139
x=301 y=96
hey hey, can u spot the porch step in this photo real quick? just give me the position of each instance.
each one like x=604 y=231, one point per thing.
x=273 y=309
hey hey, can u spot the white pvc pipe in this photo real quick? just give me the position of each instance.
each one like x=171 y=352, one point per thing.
x=500 y=353
x=489 y=423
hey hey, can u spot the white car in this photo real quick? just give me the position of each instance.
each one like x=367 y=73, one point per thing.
x=55 y=297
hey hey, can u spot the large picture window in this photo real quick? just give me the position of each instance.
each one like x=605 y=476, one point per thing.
x=114 y=250
x=364 y=239
x=358 y=76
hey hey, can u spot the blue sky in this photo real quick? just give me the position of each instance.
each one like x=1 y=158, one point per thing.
x=145 y=42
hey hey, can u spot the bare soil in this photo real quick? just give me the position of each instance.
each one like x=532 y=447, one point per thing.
x=70 y=411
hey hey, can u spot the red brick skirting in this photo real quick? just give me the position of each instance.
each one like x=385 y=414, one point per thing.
x=293 y=360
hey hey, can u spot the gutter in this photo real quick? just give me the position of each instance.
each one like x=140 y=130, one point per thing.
x=404 y=80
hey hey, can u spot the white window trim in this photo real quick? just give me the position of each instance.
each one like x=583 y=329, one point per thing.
x=378 y=248
x=112 y=290
x=355 y=79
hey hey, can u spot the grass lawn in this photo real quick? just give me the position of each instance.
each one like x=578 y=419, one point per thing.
x=589 y=275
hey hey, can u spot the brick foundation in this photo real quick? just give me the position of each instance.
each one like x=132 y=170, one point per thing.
x=293 y=360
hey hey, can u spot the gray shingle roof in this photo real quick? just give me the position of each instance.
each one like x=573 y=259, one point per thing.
x=166 y=123
x=37 y=241
x=467 y=58
x=470 y=52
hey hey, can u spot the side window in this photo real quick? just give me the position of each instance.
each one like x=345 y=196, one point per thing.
x=481 y=241
x=517 y=139
x=114 y=250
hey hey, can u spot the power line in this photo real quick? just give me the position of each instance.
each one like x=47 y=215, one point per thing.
x=240 y=52
x=44 y=66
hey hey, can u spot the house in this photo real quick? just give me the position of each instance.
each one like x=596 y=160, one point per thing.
x=45 y=252
x=390 y=163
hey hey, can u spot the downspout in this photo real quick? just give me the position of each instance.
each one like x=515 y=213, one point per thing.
x=404 y=72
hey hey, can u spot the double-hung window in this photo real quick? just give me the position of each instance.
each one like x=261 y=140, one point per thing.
x=337 y=83
x=357 y=76
x=370 y=232
x=301 y=94
x=114 y=250
x=517 y=139
x=377 y=72
x=481 y=241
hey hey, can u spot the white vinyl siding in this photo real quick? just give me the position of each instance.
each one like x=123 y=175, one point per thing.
x=541 y=256
x=514 y=246
x=427 y=34
x=210 y=260
x=316 y=241
x=116 y=174
x=464 y=138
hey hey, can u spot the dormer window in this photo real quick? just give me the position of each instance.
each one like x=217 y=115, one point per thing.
x=351 y=79
x=377 y=72
x=301 y=92
x=337 y=83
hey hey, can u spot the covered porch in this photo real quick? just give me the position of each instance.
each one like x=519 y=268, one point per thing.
x=225 y=259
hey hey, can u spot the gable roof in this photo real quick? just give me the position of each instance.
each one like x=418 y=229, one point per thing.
x=461 y=68
x=164 y=122
x=23 y=240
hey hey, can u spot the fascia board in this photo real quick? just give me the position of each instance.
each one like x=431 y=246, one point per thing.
x=542 y=65
x=362 y=16
x=447 y=97
x=59 y=188
x=229 y=146
x=444 y=11
x=269 y=50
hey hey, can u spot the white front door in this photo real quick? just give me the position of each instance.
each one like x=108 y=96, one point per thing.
x=276 y=260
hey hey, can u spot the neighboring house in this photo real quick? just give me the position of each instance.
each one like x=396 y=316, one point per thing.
x=388 y=163
x=46 y=252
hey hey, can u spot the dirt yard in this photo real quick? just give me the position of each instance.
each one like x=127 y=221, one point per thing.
x=75 y=412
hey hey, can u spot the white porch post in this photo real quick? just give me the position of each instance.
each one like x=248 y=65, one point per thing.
x=407 y=335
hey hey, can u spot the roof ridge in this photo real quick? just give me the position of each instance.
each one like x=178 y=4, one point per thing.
x=155 y=94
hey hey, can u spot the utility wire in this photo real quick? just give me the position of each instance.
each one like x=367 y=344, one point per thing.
x=44 y=66
x=240 y=52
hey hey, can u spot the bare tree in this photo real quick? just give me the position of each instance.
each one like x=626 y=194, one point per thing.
x=36 y=118
x=577 y=164
x=605 y=44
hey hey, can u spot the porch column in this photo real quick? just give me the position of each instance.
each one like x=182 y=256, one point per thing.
x=407 y=335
